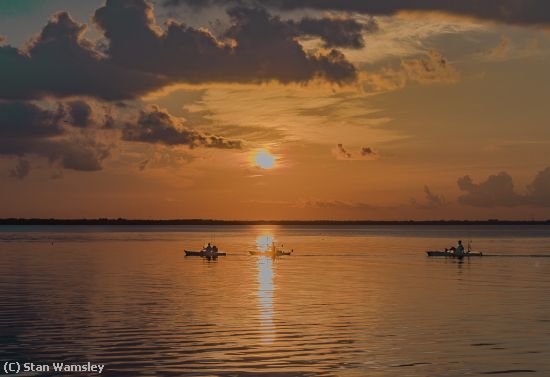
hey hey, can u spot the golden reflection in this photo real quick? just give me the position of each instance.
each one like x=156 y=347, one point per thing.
x=264 y=241
x=266 y=290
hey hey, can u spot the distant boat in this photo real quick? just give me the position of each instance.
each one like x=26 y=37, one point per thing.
x=450 y=254
x=278 y=253
x=212 y=253
x=272 y=252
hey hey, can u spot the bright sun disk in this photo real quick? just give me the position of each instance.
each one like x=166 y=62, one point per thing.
x=264 y=159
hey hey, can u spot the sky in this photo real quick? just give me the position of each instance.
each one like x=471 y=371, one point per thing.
x=275 y=109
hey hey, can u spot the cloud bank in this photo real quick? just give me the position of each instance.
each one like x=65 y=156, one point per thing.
x=70 y=135
x=518 y=12
x=27 y=129
x=137 y=56
x=60 y=62
x=499 y=191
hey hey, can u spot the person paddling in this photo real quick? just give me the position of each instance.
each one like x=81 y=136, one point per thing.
x=459 y=250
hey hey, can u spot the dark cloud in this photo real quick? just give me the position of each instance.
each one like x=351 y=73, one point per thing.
x=199 y=3
x=175 y=3
x=336 y=32
x=81 y=113
x=497 y=190
x=137 y=56
x=20 y=120
x=508 y=11
x=340 y=31
x=538 y=191
x=61 y=62
x=264 y=48
x=366 y=151
x=26 y=129
x=521 y=12
x=83 y=154
x=156 y=126
x=21 y=170
x=369 y=153
x=77 y=154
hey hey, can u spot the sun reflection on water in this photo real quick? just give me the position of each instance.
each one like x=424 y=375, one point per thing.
x=264 y=241
x=266 y=289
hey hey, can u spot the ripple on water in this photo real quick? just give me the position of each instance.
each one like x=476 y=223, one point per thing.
x=142 y=308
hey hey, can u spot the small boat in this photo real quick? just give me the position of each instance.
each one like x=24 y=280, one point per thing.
x=450 y=254
x=272 y=252
x=277 y=253
x=204 y=253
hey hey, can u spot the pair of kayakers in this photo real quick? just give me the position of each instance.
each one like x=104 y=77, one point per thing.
x=211 y=249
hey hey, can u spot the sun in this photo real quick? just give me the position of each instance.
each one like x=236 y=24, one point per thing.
x=264 y=159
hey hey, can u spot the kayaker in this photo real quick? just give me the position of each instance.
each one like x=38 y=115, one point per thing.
x=459 y=249
x=209 y=247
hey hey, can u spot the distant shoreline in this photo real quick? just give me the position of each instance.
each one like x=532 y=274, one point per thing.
x=102 y=221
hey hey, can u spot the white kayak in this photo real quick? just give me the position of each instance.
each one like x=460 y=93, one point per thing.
x=435 y=253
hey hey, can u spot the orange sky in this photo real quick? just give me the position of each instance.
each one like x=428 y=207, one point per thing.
x=444 y=117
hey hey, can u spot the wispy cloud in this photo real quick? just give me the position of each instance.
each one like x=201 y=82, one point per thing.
x=431 y=200
x=432 y=68
x=21 y=170
x=509 y=49
x=363 y=153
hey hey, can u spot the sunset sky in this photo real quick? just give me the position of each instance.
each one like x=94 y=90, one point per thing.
x=275 y=109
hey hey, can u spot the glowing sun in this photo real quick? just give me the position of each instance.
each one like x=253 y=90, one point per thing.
x=264 y=159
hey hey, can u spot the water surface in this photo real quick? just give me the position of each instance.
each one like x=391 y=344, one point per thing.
x=351 y=301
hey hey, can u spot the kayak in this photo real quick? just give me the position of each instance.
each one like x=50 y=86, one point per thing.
x=269 y=253
x=451 y=254
x=204 y=253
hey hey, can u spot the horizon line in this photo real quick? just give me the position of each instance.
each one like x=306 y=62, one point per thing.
x=198 y=221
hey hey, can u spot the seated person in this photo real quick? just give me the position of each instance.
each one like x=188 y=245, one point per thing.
x=459 y=249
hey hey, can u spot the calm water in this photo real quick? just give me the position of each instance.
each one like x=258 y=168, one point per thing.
x=351 y=301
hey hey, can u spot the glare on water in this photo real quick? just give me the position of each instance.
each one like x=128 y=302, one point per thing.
x=266 y=289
